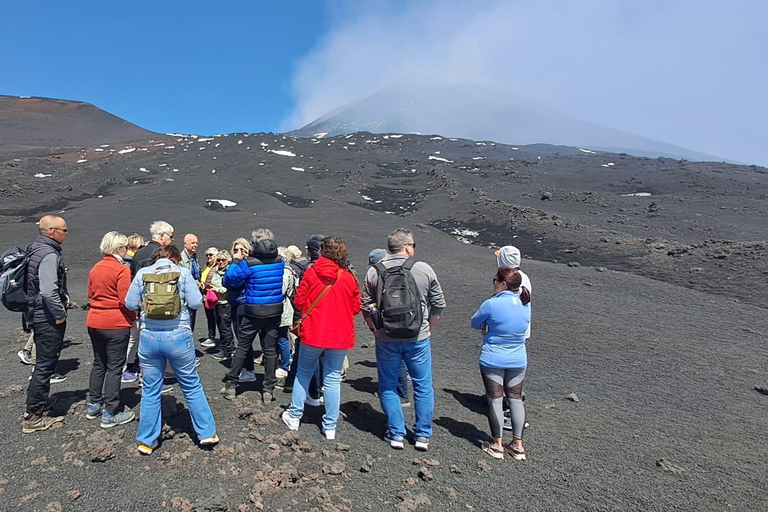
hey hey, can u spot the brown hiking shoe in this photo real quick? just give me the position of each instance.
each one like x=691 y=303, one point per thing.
x=38 y=422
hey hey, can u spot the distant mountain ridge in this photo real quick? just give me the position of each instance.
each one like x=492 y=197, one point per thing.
x=33 y=122
x=479 y=112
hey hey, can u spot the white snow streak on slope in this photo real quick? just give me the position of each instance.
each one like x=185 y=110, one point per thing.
x=440 y=159
x=282 y=152
x=127 y=150
x=225 y=203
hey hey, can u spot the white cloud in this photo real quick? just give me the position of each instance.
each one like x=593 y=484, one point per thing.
x=687 y=72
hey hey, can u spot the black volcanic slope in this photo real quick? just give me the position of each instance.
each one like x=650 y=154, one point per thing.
x=480 y=112
x=649 y=305
x=26 y=123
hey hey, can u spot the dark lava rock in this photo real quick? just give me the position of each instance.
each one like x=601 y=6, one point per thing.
x=546 y=196
x=762 y=390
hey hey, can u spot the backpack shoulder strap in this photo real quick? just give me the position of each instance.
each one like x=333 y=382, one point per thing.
x=409 y=263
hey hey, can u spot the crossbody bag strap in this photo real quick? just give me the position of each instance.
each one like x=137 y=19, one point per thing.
x=322 y=294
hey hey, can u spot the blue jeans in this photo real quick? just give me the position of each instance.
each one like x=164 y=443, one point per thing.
x=333 y=360
x=177 y=348
x=417 y=357
x=284 y=348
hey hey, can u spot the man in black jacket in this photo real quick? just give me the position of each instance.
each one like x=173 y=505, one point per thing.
x=47 y=282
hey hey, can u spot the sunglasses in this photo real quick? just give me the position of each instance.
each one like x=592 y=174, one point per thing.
x=221 y=261
x=65 y=230
x=210 y=255
x=495 y=280
x=412 y=244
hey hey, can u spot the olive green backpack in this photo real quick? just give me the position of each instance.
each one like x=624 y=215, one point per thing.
x=161 y=300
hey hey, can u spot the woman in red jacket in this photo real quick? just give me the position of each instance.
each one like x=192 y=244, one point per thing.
x=329 y=298
x=109 y=326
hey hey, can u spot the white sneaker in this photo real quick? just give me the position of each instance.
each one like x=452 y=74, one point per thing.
x=280 y=373
x=208 y=343
x=246 y=376
x=330 y=434
x=291 y=422
x=314 y=402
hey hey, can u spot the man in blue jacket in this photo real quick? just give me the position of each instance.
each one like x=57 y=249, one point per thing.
x=262 y=275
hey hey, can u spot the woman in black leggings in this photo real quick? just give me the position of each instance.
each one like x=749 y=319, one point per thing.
x=504 y=318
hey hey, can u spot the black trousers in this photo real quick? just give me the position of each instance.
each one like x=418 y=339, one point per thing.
x=236 y=314
x=210 y=316
x=192 y=317
x=224 y=322
x=49 y=339
x=266 y=328
x=109 y=347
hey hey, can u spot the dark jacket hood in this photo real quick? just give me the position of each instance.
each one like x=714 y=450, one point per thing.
x=313 y=246
x=264 y=250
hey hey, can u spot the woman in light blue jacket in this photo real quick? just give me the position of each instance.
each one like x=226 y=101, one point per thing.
x=169 y=340
x=504 y=318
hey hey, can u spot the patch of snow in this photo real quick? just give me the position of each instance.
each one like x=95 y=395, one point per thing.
x=367 y=198
x=213 y=171
x=99 y=197
x=239 y=142
x=478 y=158
x=282 y=152
x=82 y=160
x=515 y=149
x=589 y=151
x=320 y=135
x=163 y=165
x=203 y=139
x=395 y=136
x=126 y=150
x=225 y=203
x=440 y=159
x=104 y=146
x=175 y=170
x=41 y=175
x=436 y=138
x=637 y=194
x=142 y=169
x=279 y=193
x=299 y=169
x=99 y=150
x=464 y=232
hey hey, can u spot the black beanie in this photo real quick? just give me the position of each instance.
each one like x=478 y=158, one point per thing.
x=313 y=246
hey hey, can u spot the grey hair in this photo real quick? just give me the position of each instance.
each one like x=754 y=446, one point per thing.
x=294 y=252
x=160 y=228
x=260 y=234
x=224 y=253
x=112 y=241
x=212 y=250
x=398 y=239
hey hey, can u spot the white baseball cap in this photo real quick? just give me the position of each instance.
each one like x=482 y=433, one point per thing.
x=508 y=256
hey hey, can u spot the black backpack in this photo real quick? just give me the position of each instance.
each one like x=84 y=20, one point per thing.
x=13 y=280
x=398 y=301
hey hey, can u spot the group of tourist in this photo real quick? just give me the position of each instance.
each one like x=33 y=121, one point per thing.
x=143 y=300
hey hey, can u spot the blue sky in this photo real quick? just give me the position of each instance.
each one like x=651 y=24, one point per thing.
x=687 y=72
x=196 y=67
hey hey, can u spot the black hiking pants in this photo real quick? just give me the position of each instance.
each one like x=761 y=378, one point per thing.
x=49 y=338
x=109 y=352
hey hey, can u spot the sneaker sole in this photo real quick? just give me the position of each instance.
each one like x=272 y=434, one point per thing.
x=290 y=427
x=110 y=425
x=89 y=417
x=33 y=430
x=395 y=444
x=421 y=447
